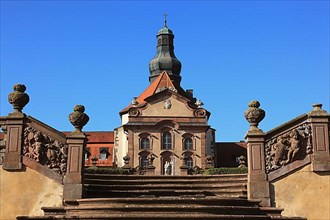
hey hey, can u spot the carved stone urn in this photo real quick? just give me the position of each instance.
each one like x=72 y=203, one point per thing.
x=126 y=161
x=78 y=118
x=18 y=98
x=254 y=115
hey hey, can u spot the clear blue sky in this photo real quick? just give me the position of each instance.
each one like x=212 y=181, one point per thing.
x=96 y=53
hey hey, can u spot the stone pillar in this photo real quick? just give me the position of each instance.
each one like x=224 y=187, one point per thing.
x=73 y=180
x=319 y=119
x=151 y=168
x=183 y=167
x=258 y=186
x=13 y=124
x=14 y=142
x=76 y=141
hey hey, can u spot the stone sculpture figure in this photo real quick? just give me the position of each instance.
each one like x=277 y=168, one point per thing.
x=38 y=146
x=294 y=146
x=278 y=152
x=167 y=168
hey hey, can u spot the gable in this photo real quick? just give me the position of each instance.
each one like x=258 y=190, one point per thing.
x=169 y=105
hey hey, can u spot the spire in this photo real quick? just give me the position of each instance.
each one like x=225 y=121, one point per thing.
x=165 y=59
x=165 y=20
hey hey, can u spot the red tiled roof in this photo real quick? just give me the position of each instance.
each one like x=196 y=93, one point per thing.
x=162 y=81
x=98 y=136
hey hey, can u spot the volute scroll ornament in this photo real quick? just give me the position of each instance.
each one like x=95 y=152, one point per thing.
x=78 y=118
x=18 y=98
x=200 y=112
x=254 y=115
x=134 y=112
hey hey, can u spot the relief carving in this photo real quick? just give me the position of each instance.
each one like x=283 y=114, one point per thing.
x=288 y=147
x=45 y=150
x=167 y=104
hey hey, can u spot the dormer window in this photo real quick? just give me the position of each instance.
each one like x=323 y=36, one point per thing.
x=103 y=153
x=87 y=153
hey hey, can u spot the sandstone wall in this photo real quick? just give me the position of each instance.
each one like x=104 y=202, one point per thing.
x=24 y=193
x=303 y=193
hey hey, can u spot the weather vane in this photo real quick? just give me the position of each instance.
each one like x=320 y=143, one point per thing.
x=165 y=20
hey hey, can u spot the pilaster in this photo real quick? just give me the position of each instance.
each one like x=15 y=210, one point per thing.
x=319 y=119
x=258 y=186
x=13 y=152
x=73 y=180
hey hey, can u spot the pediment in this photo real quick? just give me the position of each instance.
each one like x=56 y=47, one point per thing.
x=167 y=103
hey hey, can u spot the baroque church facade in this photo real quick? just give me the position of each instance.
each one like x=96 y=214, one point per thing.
x=165 y=127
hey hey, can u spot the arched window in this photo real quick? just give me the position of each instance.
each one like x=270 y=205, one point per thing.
x=188 y=144
x=144 y=143
x=143 y=162
x=189 y=163
x=166 y=141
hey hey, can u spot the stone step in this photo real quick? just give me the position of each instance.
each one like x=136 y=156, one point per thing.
x=169 y=208
x=95 y=180
x=101 y=193
x=167 y=186
x=181 y=216
x=167 y=178
x=230 y=201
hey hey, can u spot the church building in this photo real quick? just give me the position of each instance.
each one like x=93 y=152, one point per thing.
x=165 y=127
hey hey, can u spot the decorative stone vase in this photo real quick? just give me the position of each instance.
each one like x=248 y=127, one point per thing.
x=209 y=160
x=94 y=161
x=199 y=104
x=18 y=98
x=183 y=162
x=151 y=160
x=242 y=161
x=126 y=161
x=254 y=115
x=78 y=118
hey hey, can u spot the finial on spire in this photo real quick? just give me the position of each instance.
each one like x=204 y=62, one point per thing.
x=165 y=19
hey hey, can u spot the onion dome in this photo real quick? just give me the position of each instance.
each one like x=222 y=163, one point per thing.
x=165 y=59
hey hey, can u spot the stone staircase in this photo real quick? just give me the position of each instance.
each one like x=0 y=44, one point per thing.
x=163 y=197
x=98 y=186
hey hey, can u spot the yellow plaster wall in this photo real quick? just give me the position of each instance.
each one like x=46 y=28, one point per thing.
x=24 y=193
x=178 y=108
x=304 y=193
x=121 y=145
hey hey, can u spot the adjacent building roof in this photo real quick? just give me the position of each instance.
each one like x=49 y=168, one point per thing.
x=98 y=136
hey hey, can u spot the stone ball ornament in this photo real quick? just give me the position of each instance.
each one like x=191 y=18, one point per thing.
x=254 y=115
x=78 y=118
x=18 y=98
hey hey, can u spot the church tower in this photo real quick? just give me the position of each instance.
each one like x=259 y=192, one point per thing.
x=165 y=59
x=164 y=131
